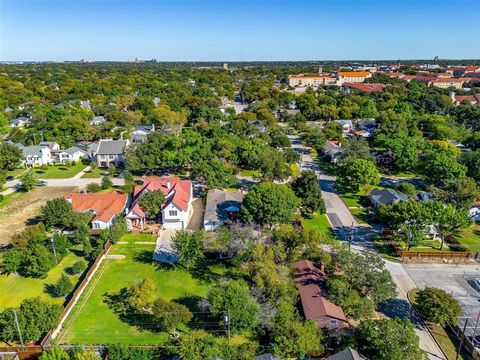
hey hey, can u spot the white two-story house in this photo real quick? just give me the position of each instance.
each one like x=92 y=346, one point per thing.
x=177 y=209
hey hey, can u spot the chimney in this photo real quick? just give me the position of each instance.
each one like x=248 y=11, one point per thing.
x=322 y=267
x=168 y=184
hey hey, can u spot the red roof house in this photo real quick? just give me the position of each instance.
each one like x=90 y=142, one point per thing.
x=104 y=207
x=177 y=208
x=310 y=283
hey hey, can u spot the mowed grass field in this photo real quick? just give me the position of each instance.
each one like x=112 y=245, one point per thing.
x=94 y=322
x=59 y=171
x=20 y=288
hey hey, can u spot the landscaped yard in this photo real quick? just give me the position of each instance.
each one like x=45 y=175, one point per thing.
x=94 y=173
x=17 y=172
x=94 y=322
x=59 y=171
x=20 y=288
x=321 y=224
x=469 y=237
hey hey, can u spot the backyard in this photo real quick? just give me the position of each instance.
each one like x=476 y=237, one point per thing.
x=469 y=238
x=20 y=288
x=93 y=321
x=320 y=223
x=60 y=171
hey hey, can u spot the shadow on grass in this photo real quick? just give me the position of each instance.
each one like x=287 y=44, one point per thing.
x=202 y=318
x=402 y=309
x=146 y=257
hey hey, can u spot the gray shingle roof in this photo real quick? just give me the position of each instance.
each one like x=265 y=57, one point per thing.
x=72 y=150
x=347 y=354
x=387 y=196
x=219 y=203
x=111 y=147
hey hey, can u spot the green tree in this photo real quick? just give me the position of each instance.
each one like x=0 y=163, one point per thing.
x=268 y=203
x=118 y=229
x=307 y=189
x=62 y=287
x=441 y=168
x=93 y=187
x=28 y=181
x=37 y=261
x=152 y=202
x=461 y=193
x=106 y=183
x=438 y=306
x=10 y=156
x=170 y=315
x=11 y=261
x=300 y=338
x=85 y=354
x=77 y=267
x=357 y=173
x=342 y=294
x=35 y=317
x=388 y=339
x=56 y=212
x=55 y=353
x=471 y=159
x=314 y=138
x=233 y=297
x=216 y=173
x=141 y=296
x=189 y=246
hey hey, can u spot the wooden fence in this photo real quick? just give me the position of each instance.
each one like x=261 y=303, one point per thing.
x=72 y=300
x=436 y=254
x=23 y=352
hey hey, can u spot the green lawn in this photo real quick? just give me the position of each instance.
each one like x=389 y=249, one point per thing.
x=254 y=173
x=59 y=171
x=20 y=288
x=6 y=198
x=295 y=169
x=351 y=200
x=17 y=172
x=94 y=173
x=97 y=323
x=360 y=214
x=470 y=238
x=321 y=224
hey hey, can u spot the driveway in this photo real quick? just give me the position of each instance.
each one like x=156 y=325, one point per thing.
x=164 y=251
x=196 y=221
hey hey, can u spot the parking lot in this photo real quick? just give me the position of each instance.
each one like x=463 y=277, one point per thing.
x=458 y=280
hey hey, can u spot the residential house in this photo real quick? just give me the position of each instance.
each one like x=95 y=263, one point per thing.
x=97 y=120
x=458 y=145
x=448 y=83
x=141 y=132
x=72 y=154
x=177 y=209
x=225 y=104
x=52 y=145
x=20 y=122
x=35 y=155
x=332 y=150
x=362 y=134
x=423 y=196
x=156 y=101
x=347 y=354
x=110 y=152
x=382 y=157
x=104 y=207
x=347 y=126
x=368 y=125
x=379 y=197
x=86 y=104
x=221 y=205
x=310 y=283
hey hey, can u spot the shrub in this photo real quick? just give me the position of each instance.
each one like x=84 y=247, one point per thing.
x=62 y=287
x=106 y=183
x=438 y=306
x=78 y=267
x=93 y=188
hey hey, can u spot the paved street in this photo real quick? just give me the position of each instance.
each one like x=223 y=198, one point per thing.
x=343 y=222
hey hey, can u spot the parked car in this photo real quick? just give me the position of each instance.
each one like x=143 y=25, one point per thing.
x=42 y=183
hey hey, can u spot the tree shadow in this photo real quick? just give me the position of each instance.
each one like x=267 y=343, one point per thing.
x=202 y=318
x=117 y=303
x=146 y=257
x=33 y=221
x=203 y=272
x=402 y=309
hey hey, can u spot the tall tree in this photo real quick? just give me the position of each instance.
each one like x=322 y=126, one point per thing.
x=357 y=173
x=189 y=247
x=307 y=189
x=10 y=156
x=152 y=203
x=438 y=306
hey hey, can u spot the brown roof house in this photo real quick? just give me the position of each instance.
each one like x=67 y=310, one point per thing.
x=310 y=282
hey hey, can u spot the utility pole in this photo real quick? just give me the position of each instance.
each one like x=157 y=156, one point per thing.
x=18 y=327
x=461 y=339
x=54 y=251
x=351 y=238
x=227 y=321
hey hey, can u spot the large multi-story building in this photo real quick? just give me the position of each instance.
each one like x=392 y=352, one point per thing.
x=313 y=80
x=448 y=83
x=352 y=77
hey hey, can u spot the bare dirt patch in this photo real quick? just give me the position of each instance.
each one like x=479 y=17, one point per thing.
x=24 y=207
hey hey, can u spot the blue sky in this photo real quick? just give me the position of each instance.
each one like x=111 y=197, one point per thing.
x=224 y=30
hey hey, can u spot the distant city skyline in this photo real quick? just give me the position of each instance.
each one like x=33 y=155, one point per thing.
x=282 y=30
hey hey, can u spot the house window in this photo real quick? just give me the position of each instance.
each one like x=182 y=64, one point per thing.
x=333 y=322
x=96 y=225
x=172 y=213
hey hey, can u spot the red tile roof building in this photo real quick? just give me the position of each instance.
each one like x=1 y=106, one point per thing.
x=178 y=195
x=310 y=283
x=370 y=88
x=105 y=207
